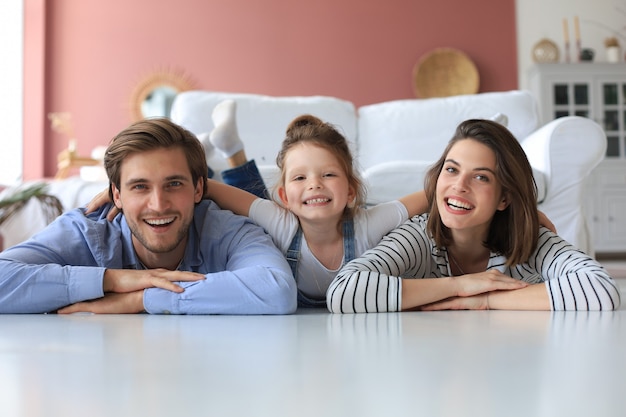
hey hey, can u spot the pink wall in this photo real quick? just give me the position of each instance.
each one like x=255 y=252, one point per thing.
x=359 y=50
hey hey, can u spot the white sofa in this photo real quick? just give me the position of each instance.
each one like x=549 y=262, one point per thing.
x=396 y=141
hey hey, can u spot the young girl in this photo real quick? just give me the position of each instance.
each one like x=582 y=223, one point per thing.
x=319 y=221
x=480 y=246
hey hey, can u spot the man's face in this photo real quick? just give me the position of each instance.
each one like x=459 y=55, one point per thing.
x=157 y=196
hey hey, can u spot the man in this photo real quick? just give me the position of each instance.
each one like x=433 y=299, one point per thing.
x=169 y=251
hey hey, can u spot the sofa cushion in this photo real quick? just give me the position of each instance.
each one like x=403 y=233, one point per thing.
x=391 y=180
x=418 y=130
x=261 y=121
x=394 y=179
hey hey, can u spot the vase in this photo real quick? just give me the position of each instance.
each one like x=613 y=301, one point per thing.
x=613 y=54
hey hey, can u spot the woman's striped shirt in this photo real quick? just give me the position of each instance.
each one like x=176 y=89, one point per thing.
x=373 y=282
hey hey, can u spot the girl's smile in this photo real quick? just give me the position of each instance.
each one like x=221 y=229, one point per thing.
x=315 y=186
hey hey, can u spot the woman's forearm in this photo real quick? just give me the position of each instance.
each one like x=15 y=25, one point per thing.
x=533 y=297
x=419 y=292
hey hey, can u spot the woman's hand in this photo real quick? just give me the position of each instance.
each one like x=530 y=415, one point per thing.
x=418 y=293
x=99 y=200
x=476 y=302
x=473 y=291
x=483 y=282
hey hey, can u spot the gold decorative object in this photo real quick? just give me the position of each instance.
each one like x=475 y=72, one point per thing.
x=68 y=158
x=545 y=51
x=445 y=72
x=166 y=81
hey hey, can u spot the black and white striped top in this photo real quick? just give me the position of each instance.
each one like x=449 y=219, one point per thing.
x=373 y=282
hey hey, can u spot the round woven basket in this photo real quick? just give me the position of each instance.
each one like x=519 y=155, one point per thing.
x=445 y=72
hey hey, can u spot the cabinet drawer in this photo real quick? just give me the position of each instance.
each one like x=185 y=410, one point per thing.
x=604 y=176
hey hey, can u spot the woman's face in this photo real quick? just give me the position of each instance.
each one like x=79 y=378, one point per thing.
x=468 y=192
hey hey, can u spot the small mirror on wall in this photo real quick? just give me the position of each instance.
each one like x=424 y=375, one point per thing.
x=154 y=93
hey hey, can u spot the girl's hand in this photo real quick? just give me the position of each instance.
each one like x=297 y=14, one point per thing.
x=545 y=221
x=99 y=200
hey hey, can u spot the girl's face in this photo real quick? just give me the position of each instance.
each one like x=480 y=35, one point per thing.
x=468 y=192
x=315 y=185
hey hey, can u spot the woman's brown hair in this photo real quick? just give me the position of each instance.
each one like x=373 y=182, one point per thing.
x=513 y=231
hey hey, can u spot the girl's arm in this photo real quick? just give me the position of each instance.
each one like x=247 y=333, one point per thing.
x=226 y=196
x=230 y=198
x=415 y=203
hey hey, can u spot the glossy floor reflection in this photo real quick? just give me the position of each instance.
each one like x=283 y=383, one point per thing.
x=489 y=363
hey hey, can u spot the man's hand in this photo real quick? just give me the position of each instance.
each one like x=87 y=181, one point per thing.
x=111 y=303
x=124 y=290
x=129 y=280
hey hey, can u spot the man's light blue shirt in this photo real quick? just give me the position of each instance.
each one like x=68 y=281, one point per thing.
x=65 y=263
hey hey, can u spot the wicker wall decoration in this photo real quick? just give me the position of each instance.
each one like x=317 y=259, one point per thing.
x=445 y=72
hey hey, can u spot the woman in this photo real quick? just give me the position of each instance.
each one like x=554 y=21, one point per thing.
x=479 y=247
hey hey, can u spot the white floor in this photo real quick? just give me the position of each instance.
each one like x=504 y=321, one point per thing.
x=441 y=363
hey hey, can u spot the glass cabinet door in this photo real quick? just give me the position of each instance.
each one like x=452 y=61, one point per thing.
x=614 y=117
x=571 y=99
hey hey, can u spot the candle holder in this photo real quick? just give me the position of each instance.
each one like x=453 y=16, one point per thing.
x=68 y=158
x=566 y=39
x=577 y=37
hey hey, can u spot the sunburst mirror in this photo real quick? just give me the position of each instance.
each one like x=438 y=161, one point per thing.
x=154 y=93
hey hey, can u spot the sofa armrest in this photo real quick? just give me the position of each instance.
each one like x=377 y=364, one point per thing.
x=566 y=150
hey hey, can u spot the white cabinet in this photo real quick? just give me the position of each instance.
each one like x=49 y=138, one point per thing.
x=606 y=209
x=597 y=91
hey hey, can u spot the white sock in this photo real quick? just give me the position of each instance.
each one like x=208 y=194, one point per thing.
x=224 y=136
x=500 y=118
